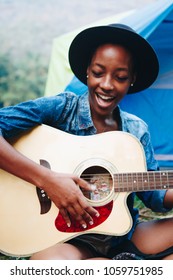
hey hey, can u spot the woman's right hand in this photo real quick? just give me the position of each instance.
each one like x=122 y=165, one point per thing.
x=64 y=190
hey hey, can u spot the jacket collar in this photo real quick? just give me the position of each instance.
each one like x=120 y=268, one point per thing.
x=84 y=116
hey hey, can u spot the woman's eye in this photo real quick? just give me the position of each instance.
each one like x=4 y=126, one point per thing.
x=122 y=79
x=96 y=74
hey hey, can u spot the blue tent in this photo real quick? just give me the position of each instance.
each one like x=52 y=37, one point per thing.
x=154 y=105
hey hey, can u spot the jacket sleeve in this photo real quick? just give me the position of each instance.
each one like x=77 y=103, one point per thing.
x=153 y=200
x=26 y=115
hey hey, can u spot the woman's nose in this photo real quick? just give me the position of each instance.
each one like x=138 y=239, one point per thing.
x=107 y=83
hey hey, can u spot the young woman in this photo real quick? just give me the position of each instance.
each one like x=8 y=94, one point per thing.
x=112 y=61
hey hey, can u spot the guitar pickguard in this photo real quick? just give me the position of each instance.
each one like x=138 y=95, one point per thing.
x=104 y=212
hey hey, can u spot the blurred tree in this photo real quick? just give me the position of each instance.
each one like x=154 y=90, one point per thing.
x=21 y=80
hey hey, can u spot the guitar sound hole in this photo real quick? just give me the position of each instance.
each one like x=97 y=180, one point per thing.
x=100 y=179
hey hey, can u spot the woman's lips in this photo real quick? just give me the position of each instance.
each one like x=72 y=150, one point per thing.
x=104 y=100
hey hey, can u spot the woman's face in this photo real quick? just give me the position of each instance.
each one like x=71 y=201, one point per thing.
x=110 y=74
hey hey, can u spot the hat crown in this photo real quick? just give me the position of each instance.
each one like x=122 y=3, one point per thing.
x=122 y=26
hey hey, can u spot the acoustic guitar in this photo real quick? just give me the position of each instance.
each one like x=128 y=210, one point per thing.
x=114 y=162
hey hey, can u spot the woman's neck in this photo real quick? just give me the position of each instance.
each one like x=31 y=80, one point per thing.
x=106 y=123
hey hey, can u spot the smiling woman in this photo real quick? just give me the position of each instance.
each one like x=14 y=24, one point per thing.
x=86 y=42
x=109 y=78
x=112 y=61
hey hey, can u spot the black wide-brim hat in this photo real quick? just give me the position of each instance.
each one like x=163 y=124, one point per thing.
x=84 y=44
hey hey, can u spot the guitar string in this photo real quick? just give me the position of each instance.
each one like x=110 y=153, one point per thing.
x=133 y=175
x=136 y=179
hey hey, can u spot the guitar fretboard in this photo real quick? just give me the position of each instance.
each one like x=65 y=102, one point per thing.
x=143 y=181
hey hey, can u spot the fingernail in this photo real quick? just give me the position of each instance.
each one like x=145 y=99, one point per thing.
x=97 y=214
x=68 y=224
x=84 y=226
x=91 y=223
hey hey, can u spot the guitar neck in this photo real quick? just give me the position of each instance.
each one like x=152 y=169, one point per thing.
x=143 y=181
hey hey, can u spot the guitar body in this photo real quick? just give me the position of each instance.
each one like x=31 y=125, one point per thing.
x=26 y=229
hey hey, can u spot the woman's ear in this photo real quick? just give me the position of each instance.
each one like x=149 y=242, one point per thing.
x=133 y=80
x=87 y=73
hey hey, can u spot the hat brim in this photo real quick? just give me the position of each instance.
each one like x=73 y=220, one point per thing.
x=81 y=49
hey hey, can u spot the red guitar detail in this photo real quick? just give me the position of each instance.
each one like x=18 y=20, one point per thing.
x=104 y=212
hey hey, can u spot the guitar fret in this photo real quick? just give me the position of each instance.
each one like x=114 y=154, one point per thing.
x=157 y=180
x=160 y=177
x=143 y=181
x=128 y=182
x=119 y=182
x=151 y=180
x=140 y=181
x=164 y=180
x=135 y=182
x=167 y=179
x=125 y=183
x=154 y=180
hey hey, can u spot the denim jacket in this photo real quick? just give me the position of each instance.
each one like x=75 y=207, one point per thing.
x=71 y=113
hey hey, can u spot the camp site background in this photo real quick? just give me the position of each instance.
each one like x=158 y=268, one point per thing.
x=27 y=30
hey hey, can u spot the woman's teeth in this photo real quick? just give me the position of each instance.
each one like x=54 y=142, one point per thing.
x=105 y=98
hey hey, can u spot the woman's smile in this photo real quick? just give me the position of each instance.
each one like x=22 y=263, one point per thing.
x=109 y=77
x=104 y=100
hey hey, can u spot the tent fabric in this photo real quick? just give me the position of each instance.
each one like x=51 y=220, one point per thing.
x=154 y=22
x=144 y=21
x=157 y=101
